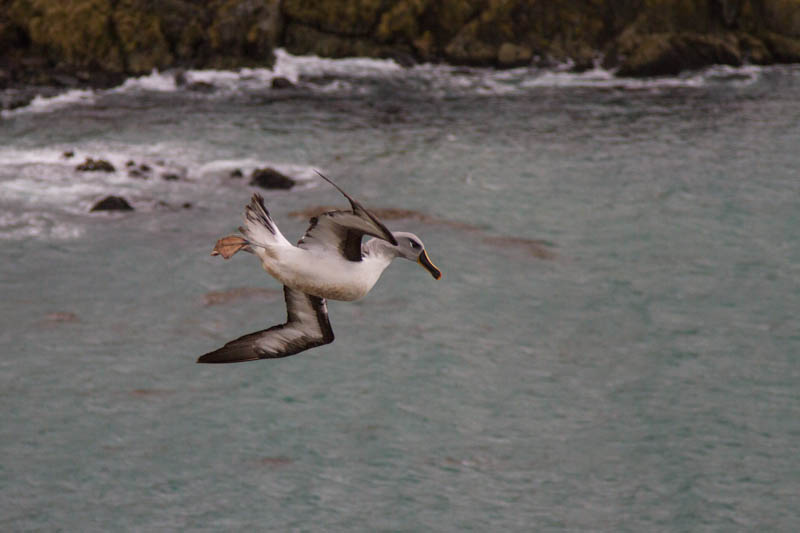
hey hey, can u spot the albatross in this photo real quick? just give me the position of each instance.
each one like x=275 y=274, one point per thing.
x=330 y=262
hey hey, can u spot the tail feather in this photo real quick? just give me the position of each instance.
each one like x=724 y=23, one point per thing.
x=259 y=229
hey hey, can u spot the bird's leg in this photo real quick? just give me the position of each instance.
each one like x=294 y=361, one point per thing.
x=227 y=246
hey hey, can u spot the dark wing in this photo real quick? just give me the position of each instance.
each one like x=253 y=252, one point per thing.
x=306 y=326
x=343 y=230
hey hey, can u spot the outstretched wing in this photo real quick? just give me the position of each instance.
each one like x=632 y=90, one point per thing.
x=307 y=326
x=343 y=230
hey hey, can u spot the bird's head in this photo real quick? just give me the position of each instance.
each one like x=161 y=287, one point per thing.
x=410 y=247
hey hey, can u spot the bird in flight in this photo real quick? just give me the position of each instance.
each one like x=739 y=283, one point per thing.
x=329 y=262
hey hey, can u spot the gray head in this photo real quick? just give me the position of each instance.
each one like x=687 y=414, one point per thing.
x=410 y=247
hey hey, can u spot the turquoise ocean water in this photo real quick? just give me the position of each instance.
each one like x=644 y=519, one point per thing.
x=614 y=345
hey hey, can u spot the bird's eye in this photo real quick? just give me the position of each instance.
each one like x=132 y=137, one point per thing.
x=415 y=245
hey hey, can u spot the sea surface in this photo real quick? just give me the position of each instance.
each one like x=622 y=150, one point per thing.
x=614 y=346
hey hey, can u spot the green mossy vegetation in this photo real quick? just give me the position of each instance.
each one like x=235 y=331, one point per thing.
x=71 y=32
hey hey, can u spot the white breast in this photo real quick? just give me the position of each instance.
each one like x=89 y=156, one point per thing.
x=327 y=275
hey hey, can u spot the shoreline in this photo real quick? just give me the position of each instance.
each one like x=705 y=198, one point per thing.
x=291 y=76
x=99 y=44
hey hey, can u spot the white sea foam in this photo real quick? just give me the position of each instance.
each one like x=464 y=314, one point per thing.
x=46 y=104
x=155 y=82
x=358 y=76
x=294 y=67
x=37 y=225
x=301 y=173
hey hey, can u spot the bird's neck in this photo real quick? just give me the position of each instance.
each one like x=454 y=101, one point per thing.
x=380 y=251
x=377 y=255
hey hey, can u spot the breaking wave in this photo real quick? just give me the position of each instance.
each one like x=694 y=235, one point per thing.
x=359 y=76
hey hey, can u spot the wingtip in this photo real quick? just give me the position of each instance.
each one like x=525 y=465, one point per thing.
x=225 y=355
x=323 y=176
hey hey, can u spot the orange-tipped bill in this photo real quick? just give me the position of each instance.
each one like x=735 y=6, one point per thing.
x=227 y=246
x=425 y=261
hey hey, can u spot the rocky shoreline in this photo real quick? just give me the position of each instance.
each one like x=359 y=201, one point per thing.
x=99 y=43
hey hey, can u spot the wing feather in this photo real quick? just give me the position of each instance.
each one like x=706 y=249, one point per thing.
x=343 y=230
x=307 y=326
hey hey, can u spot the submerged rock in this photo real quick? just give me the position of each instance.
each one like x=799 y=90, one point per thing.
x=201 y=87
x=240 y=293
x=281 y=83
x=269 y=178
x=95 y=165
x=237 y=173
x=61 y=317
x=112 y=203
x=536 y=247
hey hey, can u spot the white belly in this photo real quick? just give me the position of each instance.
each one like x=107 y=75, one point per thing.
x=321 y=274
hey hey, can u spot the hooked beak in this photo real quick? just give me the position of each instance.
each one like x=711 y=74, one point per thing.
x=425 y=261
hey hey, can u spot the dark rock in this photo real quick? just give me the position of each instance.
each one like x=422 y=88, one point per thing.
x=144 y=168
x=68 y=154
x=186 y=205
x=136 y=173
x=15 y=101
x=281 y=83
x=269 y=178
x=784 y=49
x=237 y=173
x=170 y=176
x=666 y=54
x=201 y=87
x=65 y=80
x=130 y=163
x=402 y=58
x=512 y=55
x=180 y=78
x=112 y=203
x=95 y=165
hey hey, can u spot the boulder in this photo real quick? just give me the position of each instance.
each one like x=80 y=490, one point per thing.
x=269 y=178
x=95 y=165
x=112 y=203
x=201 y=87
x=783 y=49
x=512 y=55
x=668 y=54
x=281 y=83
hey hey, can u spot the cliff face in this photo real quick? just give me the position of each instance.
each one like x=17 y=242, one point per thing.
x=106 y=39
x=641 y=37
